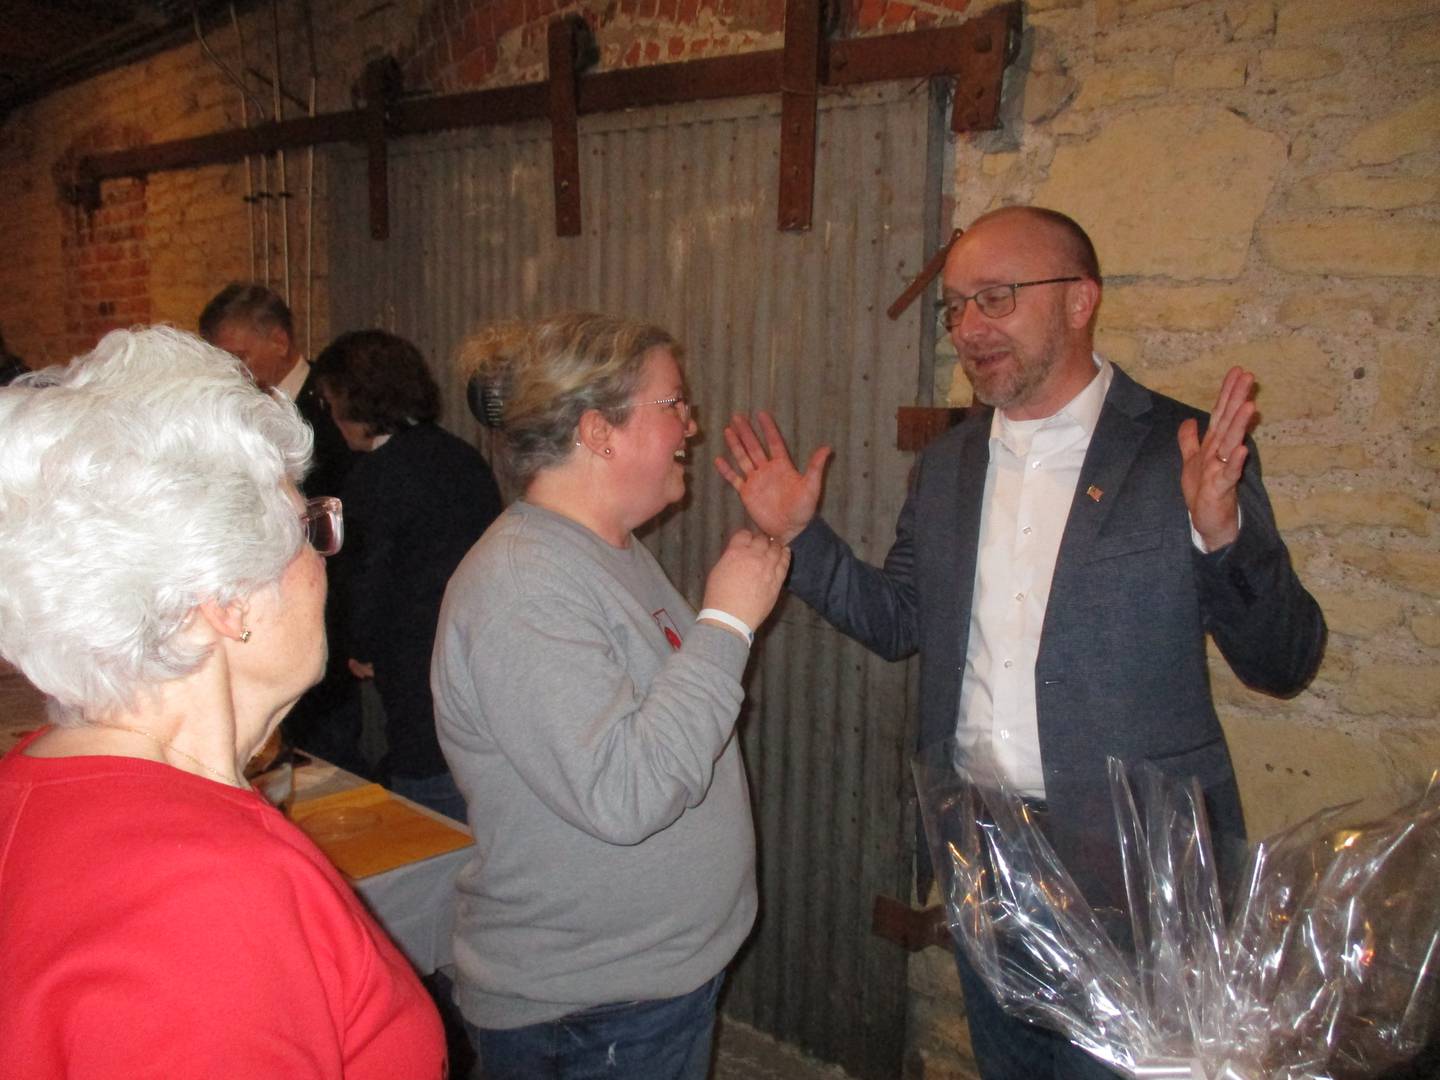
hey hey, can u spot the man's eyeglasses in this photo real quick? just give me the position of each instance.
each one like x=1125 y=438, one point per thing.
x=994 y=302
x=324 y=524
x=679 y=404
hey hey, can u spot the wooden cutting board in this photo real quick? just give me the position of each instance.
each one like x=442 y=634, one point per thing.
x=366 y=830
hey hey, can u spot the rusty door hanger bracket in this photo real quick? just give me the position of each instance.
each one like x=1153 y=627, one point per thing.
x=917 y=426
x=564 y=125
x=977 y=50
x=381 y=85
x=911 y=929
x=990 y=46
x=799 y=99
x=926 y=275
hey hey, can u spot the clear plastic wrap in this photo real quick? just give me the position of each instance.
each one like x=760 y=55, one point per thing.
x=1328 y=965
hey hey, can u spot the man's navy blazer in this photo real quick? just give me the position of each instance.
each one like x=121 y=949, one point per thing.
x=1122 y=664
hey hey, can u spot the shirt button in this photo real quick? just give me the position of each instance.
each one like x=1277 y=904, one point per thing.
x=1009 y=663
x=1026 y=530
x=1019 y=596
x=1034 y=465
x=1005 y=734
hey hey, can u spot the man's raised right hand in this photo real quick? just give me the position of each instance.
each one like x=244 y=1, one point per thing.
x=779 y=499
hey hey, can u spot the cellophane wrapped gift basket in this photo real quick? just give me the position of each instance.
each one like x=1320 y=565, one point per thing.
x=1325 y=962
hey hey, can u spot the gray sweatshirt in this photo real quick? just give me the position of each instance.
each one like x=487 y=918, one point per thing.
x=590 y=722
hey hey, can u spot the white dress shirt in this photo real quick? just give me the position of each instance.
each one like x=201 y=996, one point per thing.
x=1029 y=484
x=294 y=380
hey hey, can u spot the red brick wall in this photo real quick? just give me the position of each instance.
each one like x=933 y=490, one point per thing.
x=104 y=257
x=466 y=43
x=107 y=267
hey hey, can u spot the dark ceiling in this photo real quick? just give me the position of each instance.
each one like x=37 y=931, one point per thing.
x=47 y=44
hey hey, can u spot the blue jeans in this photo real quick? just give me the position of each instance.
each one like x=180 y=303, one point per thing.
x=670 y=1039
x=1008 y=1048
x=437 y=792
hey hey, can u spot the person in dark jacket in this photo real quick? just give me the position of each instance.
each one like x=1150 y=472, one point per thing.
x=254 y=325
x=416 y=500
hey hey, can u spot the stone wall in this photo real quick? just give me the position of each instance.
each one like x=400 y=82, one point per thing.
x=1262 y=179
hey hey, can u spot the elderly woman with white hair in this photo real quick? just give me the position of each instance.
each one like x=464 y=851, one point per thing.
x=164 y=587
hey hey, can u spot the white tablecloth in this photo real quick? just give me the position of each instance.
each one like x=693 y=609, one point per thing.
x=414 y=903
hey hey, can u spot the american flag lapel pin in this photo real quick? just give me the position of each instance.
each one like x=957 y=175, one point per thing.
x=1094 y=492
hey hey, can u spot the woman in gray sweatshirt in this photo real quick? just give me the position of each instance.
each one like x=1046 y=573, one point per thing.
x=588 y=715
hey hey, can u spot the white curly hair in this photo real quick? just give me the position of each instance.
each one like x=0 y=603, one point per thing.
x=136 y=482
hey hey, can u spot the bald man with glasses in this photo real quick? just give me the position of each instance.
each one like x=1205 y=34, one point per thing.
x=1058 y=565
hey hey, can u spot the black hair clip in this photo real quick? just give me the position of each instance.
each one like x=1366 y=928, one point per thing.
x=486 y=402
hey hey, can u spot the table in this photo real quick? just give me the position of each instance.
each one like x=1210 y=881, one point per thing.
x=415 y=903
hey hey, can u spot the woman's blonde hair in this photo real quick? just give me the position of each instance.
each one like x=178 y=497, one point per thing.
x=538 y=378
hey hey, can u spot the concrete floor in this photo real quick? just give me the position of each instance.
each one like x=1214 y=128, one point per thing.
x=742 y=1053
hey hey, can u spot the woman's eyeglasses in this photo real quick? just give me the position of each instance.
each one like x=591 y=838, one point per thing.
x=324 y=524
x=679 y=404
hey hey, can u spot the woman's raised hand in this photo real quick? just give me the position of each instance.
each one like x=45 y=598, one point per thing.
x=748 y=576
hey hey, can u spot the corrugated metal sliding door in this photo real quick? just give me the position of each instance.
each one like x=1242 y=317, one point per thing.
x=679 y=218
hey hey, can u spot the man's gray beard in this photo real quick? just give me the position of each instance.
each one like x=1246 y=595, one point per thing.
x=1017 y=387
x=1022 y=386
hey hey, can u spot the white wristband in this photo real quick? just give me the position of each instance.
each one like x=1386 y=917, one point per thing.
x=726 y=619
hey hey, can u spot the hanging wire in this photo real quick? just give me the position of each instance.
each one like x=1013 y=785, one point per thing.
x=284 y=193
x=310 y=183
x=247 y=100
x=263 y=195
x=236 y=80
x=249 y=160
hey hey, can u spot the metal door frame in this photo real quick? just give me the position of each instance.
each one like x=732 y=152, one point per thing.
x=827 y=728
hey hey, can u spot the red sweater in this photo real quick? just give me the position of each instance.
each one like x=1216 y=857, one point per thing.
x=157 y=924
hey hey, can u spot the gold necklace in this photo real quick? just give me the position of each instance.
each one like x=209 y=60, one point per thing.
x=229 y=780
